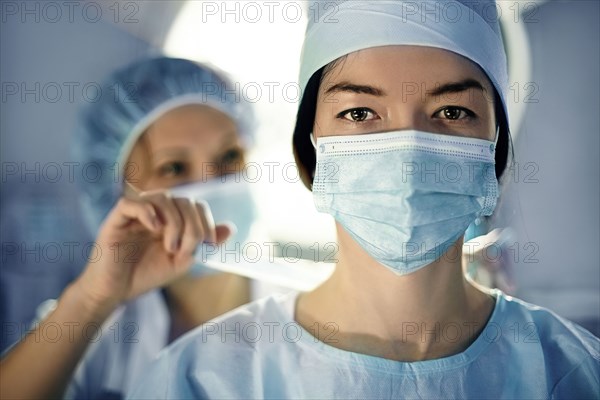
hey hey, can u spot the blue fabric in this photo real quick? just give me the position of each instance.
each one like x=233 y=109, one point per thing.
x=524 y=352
x=127 y=344
x=131 y=100
x=230 y=200
x=469 y=28
x=389 y=214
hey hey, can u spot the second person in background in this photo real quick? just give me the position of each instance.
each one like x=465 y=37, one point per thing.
x=166 y=136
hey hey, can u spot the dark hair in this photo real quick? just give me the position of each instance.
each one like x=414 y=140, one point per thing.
x=304 y=152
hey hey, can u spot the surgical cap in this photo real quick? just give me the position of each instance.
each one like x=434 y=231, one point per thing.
x=469 y=28
x=129 y=102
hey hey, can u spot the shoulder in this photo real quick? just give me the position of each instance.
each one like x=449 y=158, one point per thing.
x=554 y=332
x=231 y=347
x=128 y=340
x=247 y=326
x=567 y=354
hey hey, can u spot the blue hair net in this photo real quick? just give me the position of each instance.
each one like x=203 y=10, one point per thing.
x=131 y=100
x=467 y=27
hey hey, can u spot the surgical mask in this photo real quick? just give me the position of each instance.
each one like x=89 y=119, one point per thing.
x=230 y=201
x=405 y=197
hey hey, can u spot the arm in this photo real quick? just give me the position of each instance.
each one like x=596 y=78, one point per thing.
x=158 y=236
x=42 y=366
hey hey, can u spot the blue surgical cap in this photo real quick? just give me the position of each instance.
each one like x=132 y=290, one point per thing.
x=469 y=28
x=130 y=101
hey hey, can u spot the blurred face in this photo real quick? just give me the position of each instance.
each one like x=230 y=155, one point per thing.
x=405 y=87
x=189 y=143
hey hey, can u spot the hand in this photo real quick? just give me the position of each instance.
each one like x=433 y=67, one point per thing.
x=144 y=243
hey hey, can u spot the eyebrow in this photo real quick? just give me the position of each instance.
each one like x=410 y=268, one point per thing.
x=171 y=152
x=230 y=138
x=451 y=87
x=456 y=87
x=354 y=88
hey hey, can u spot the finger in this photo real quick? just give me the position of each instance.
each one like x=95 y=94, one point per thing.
x=208 y=221
x=171 y=218
x=193 y=231
x=128 y=210
x=225 y=231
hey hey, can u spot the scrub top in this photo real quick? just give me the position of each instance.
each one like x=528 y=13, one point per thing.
x=258 y=351
x=125 y=345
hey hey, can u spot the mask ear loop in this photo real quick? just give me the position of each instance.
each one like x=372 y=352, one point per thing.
x=495 y=140
x=314 y=142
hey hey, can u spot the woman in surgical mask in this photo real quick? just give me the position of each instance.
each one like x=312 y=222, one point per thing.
x=407 y=117
x=169 y=138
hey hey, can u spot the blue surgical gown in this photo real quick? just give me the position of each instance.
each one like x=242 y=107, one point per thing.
x=126 y=344
x=122 y=349
x=258 y=351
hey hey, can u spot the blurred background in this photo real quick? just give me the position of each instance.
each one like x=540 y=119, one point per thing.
x=54 y=55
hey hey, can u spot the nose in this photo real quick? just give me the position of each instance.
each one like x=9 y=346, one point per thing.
x=408 y=117
x=203 y=171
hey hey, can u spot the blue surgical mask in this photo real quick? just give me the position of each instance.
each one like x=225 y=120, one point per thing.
x=406 y=196
x=230 y=201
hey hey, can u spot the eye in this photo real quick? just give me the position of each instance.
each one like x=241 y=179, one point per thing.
x=454 y=113
x=232 y=156
x=173 y=169
x=231 y=161
x=357 y=114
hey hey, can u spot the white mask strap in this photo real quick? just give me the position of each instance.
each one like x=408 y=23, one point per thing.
x=313 y=141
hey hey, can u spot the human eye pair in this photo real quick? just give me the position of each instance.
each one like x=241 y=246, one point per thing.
x=229 y=159
x=363 y=114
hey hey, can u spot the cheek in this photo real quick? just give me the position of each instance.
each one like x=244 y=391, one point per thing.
x=138 y=172
x=490 y=126
x=488 y=119
x=323 y=118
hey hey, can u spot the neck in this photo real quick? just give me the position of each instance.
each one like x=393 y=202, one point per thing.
x=195 y=300
x=411 y=317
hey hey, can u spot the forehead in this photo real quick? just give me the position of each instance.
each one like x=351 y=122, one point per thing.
x=191 y=124
x=395 y=66
x=194 y=115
